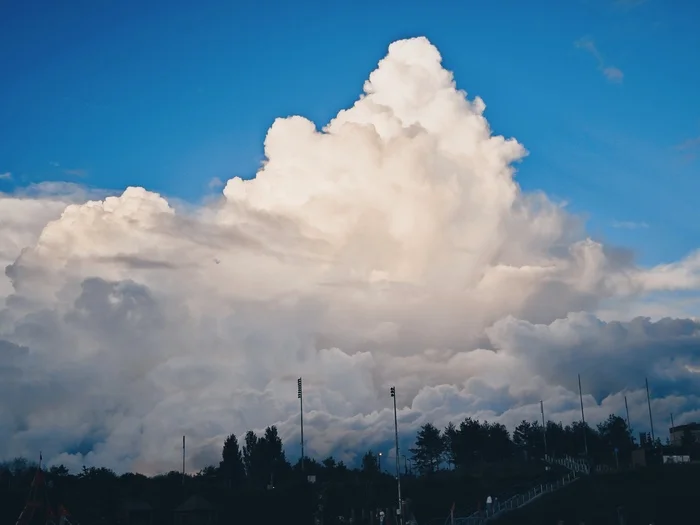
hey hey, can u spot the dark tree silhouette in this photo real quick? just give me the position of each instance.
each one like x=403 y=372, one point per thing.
x=496 y=444
x=59 y=471
x=251 y=457
x=208 y=473
x=232 y=466
x=257 y=476
x=528 y=439
x=469 y=443
x=264 y=458
x=429 y=450
x=615 y=438
x=558 y=439
x=450 y=436
x=370 y=464
x=275 y=460
x=97 y=474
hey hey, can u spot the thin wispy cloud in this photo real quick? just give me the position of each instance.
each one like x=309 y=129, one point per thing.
x=79 y=172
x=216 y=183
x=630 y=225
x=689 y=148
x=5 y=176
x=689 y=145
x=612 y=73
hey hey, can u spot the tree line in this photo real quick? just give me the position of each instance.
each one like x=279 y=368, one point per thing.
x=437 y=469
x=474 y=442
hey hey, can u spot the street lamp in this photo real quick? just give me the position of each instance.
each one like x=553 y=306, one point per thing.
x=379 y=462
x=300 y=396
x=392 y=391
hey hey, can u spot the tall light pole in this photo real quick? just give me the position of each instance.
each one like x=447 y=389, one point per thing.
x=583 y=418
x=651 y=421
x=301 y=419
x=627 y=410
x=379 y=462
x=544 y=428
x=398 y=457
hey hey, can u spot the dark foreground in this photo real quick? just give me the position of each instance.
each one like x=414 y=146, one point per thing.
x=659 y=495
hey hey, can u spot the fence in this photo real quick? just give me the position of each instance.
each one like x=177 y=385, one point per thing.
x=578 y=466
x=498 y=508
x=501 y=507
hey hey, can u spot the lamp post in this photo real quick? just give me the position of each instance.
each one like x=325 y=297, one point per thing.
x=583 y=418
x=300 y=396
x=379 y=462
x=544 y=428
x=398 y=458
x=651 y=421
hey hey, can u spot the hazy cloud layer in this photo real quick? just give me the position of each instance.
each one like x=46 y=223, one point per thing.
x=392 y=247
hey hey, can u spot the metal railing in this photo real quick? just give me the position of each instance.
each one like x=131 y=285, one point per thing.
x=499 y=508
x=578 y=466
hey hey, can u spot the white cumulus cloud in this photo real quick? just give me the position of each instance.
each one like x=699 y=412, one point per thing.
x=392 y=247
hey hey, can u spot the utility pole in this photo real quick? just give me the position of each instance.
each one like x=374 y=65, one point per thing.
x=651 y=421
x=183 y=460
x=301 y=419
x=672 y=425
x=627 y=410
x=544 y=428
x=583 y=417
x=398 y=461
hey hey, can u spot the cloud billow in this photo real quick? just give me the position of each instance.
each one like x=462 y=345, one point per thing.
x=392 y=247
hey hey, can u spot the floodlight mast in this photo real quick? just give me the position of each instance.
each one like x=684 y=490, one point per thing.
x=300 y=396
x=544 y=428
x=583 y=417
x=392 y=391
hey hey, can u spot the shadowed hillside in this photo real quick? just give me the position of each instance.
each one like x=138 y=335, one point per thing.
x=658 y=495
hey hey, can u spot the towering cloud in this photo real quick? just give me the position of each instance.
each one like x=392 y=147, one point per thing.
x=391 y=247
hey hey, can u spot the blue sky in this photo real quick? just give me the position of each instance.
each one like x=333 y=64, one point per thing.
x=171 y=94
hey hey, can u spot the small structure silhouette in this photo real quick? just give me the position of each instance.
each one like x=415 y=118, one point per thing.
x=195 y=511
x=38 y=510
x=134 y=512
